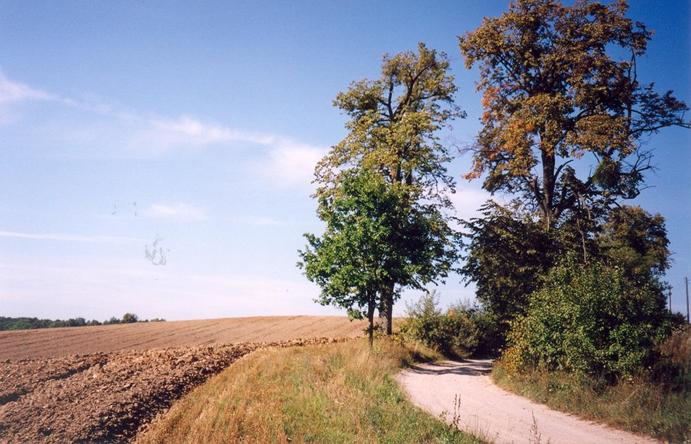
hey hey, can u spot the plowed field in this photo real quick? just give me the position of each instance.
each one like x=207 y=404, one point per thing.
x=105 y=397
x=103 y=384
x=56 y=342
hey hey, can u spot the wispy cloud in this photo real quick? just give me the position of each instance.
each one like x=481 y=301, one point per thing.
x=176 y=210
x=67 y=237
x=207 y=133
x=291 y=163
x=12 y=92
x=285 y=161
x=187 y=131
x=288 y=161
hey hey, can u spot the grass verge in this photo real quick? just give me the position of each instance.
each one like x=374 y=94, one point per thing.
x=639 y=406
x=334 y=393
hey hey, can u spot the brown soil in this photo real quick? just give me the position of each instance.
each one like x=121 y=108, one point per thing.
x=57 y=342
x=107 y=396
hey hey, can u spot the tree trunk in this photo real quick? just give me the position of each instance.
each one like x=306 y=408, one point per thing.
x=370 y=317
x=548 y=184
x=389 y=308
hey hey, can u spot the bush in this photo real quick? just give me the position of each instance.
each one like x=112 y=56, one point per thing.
x=591 y=320
x=491 y=337
x=454 y=333
x=674 y=367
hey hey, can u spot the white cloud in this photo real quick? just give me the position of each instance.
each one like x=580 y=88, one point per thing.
x=291 y=163
x=16 y=92
x=177 y=210
x=12 y=92
x=161 y=134
x=67 y=237
x=206 y=133
x=468 y=200
x=288 y=162
x=285 y=161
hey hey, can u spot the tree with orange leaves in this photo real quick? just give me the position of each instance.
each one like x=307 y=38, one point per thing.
x=554 y=90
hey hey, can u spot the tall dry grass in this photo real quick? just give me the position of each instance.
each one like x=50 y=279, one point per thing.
x=334 y=393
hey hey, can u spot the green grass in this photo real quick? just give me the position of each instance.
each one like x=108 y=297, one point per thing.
x=638 y=405
x=336 y=393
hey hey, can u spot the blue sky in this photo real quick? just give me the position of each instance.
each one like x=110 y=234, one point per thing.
x=195 y=126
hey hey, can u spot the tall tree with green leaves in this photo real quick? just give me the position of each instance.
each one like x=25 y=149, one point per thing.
x=394 y=131
x=372 y=238
x=506 y=253
x=559 y=83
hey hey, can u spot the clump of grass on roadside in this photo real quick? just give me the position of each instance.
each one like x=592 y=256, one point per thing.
x=637 y=405
x=327 y=393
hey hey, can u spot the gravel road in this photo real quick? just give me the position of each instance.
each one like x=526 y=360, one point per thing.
x=496 y=414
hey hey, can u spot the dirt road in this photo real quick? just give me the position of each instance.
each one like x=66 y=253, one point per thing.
x=496 y=414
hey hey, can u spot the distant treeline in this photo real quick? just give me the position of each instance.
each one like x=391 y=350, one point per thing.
x=7 y=323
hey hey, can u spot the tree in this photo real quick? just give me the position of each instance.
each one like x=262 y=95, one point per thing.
x=129 y=318
x=505 y=256
x=372 y=239
x=393 y=132
x=553 y=91
x=636 y=241
x=508 y=253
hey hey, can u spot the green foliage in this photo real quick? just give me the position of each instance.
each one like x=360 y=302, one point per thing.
x=454 y=333
x=636 y=241
x=374 y=237
x=591 y=320
x=508 y=255
x=23 y=323
x=505 y=257
x=393 y=133
x=346 y=261
x=491 y=336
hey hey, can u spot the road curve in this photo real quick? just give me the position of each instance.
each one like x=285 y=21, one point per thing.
x=495 y=414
